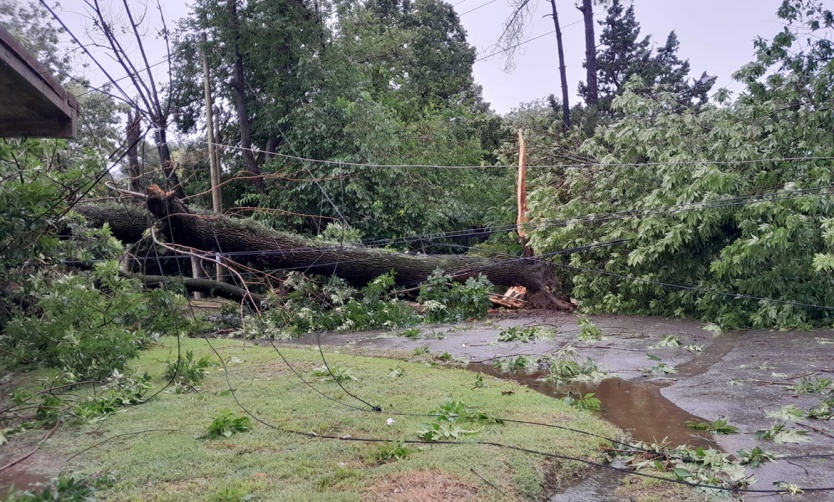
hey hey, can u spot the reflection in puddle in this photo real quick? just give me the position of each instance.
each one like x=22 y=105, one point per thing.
x=638 y=408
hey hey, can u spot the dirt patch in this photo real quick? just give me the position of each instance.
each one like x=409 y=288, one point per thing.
x=422 y=485
x=653 y=490
x=32 y=472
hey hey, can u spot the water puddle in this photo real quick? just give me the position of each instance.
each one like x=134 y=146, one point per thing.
x=21 y=479
x=638 y=408
x=599 y=485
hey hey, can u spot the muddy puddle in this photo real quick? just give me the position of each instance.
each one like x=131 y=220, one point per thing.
x=635 y=407
x=20 y=479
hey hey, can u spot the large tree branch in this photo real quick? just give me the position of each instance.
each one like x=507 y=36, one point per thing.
x=207 y=286
x=267 y=249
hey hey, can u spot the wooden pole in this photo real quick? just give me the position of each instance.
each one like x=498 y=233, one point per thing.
x=216 y=194
x=522 y=195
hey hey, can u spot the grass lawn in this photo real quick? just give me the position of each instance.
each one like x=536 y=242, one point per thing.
x=275 y=463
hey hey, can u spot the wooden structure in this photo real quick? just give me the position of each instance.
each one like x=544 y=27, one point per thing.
x=32 y=102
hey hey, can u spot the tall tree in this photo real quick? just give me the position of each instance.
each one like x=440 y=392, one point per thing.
x=563 y=78
x=256 y=51
x=241 y=100
x=624 y=54
x=589 y=89
x=121 y=34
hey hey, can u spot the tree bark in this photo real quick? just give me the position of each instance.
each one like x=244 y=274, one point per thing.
x=161 y=140
x=562 y=71
x=207 y=286
x=267 y=249
x=127 y=222
x=592 y=90
x=132 y=131
x=241 y=102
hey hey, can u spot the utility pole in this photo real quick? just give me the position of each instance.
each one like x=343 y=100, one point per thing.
x=522 y=195
x=216 y=194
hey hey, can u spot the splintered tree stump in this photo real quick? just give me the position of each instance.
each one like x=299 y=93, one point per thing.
x=249 y=242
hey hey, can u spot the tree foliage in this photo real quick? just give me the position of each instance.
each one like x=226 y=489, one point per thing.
x=719 y=199
x=623 y=54
x=386 y=83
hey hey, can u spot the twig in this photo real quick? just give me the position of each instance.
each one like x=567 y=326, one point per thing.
x=126 y=192
x=482 y=361
x=37 y=447
x=824 y=433
x=485 y=480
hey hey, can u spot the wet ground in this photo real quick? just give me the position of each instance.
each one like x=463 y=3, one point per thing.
x=738 y=376
x=33 y=472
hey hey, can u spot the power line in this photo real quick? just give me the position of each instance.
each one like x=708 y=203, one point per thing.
x=542 y=166
x=736 y=296
x=506 y=49
x=476 y=8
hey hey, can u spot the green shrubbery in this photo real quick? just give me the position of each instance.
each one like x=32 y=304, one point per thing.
x=88 y=323
x=324 y=304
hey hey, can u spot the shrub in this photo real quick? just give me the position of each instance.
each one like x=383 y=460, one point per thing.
x=446 y=300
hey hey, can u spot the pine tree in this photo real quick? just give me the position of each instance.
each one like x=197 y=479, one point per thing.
x=624 y=54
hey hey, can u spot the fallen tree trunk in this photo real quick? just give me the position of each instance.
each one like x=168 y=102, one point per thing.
x=127 y=222
x=266 y=249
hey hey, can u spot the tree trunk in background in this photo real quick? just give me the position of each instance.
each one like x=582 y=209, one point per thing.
x=241 y=102
x=132 y=137
x=161 y=140
x=592 y=95
x=562 y=72
x=267 y=249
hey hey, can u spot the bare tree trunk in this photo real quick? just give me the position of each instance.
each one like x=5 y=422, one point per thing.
x=592 y=94
x=161 y=140
x=562 y=72
x=267 y=249
x=239 y=85
x=132 y=151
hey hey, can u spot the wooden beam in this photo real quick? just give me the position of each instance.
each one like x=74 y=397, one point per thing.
x=32 y=101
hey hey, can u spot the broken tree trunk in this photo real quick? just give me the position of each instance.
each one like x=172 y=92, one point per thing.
x=267 y=249
x=127 y=222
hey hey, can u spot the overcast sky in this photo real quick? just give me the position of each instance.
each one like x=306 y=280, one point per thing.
x=715 y=35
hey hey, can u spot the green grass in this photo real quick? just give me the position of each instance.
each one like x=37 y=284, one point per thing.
x=276 y=464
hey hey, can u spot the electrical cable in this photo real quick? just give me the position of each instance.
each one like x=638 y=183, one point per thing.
x=374 y=407
x=267 y=424
x=543 y=166
x=735 y=296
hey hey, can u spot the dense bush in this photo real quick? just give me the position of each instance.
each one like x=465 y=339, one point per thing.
x=323 y=304
x=86 y=323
